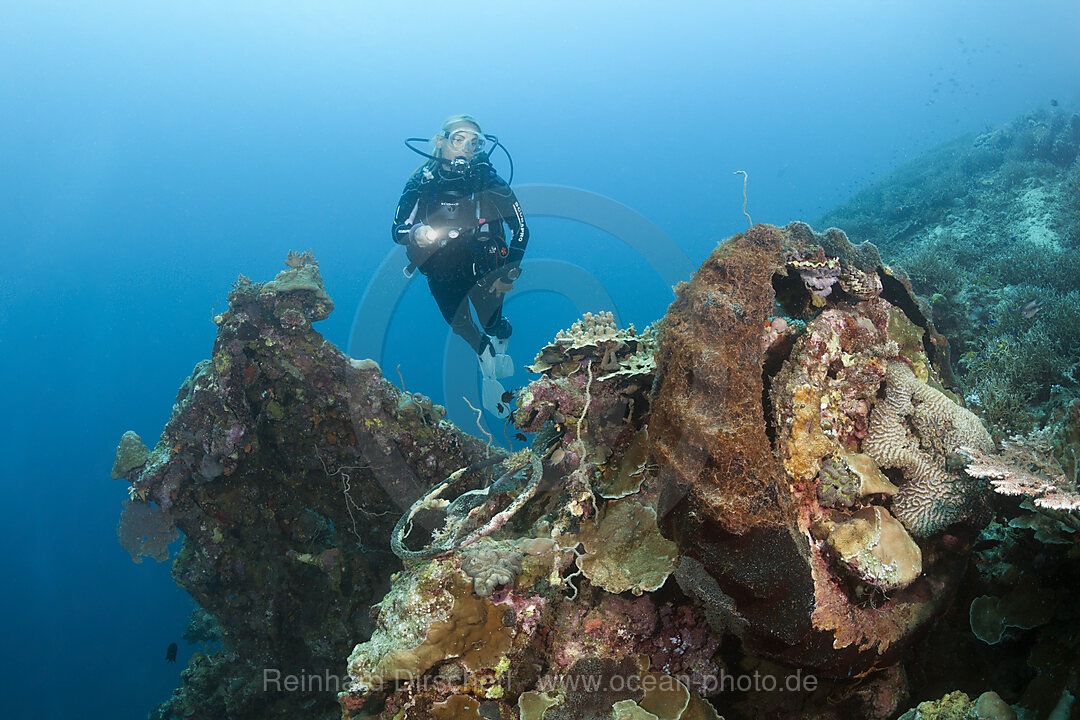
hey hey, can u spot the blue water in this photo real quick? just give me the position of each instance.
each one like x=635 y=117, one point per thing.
x=151 y=152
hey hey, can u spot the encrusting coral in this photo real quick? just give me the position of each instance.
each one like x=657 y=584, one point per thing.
x=431 y=614
x=1025 y=606
x=876 y=549
x=625 y=550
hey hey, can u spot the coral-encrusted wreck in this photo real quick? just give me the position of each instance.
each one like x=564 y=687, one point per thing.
x=774 y=461
x=285 y=465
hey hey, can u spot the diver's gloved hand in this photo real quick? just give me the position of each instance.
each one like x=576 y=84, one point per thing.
x=504 y=283
x=423 y=235
x=424 y=241
x=501 y=286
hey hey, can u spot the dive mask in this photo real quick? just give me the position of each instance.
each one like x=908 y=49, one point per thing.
x=463 y=140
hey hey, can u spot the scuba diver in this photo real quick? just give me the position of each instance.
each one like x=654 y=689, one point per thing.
x=450 y=218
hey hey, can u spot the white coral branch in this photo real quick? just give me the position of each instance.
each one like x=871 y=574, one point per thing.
x=1026 y=466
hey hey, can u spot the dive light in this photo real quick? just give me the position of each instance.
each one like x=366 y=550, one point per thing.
x=440 y=236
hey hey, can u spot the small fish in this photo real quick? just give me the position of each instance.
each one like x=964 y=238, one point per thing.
x=1054 y=103
x=508 y=397
x=520 y=436
x=170 y=653
x=501 y=407
x=1031 y=308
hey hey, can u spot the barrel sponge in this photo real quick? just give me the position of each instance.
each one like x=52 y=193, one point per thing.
x=914 y=428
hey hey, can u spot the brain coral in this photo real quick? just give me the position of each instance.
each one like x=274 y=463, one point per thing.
x=913 y=429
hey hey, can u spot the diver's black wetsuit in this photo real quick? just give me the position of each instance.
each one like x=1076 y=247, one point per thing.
x=475 y=202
